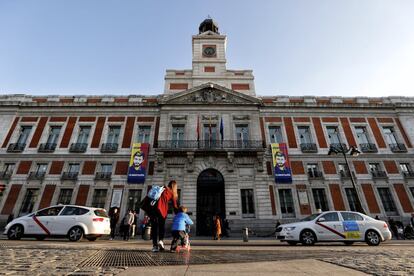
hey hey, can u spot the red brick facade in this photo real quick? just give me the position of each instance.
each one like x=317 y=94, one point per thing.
x=337 y=199
x=370 y=198
x=47 y=196
x=82 y=195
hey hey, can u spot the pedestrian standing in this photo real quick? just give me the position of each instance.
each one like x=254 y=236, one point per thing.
x=393 y=228
x=226 y=228
x=134 y=225
x=217 y=227
x=113 y=221
x=127 y=222
x=160 y=213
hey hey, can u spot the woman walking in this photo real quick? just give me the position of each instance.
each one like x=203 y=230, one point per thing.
x=217 y=227
x=160 y=214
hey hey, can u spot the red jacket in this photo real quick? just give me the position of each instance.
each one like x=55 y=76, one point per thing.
x=162 y=204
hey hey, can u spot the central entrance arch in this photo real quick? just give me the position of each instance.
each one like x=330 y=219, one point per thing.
x=210 y=200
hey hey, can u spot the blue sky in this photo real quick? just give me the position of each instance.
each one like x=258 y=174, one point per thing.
x=320 y=47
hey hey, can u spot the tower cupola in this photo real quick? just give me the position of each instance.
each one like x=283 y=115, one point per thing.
x=208 y=25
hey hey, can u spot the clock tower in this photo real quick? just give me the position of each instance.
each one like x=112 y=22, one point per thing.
x=209 y=64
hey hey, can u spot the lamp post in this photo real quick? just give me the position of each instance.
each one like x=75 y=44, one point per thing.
x=353 y=151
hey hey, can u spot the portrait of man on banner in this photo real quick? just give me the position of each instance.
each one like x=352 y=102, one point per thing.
x=283 y=173
x=138 y=163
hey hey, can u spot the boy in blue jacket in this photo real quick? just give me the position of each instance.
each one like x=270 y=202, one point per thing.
x=180 y=221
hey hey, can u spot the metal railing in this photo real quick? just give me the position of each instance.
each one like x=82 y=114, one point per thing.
x=409 y=174
x=378 y=174
x=16 y=147
x=36 y=175
x=338 y=146
x=368 y=147
x=398 y=147
x=69 y=176
x=308 y=147
x=315 y=174
x=109 y=147
x=103 y=176
x=47 y=147
x=345 y=174
x=78 y=147
x=210 y=145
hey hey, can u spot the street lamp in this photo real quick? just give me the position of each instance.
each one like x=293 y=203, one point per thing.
x=353 y=151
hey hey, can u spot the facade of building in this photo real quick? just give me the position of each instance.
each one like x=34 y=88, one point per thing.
x=211 y=133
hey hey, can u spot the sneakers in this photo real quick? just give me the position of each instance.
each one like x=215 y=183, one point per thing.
x=155 y=249
x=161 y=245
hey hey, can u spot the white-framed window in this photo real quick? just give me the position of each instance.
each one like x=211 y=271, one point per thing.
x=84 y=132
x=247 y=200
x=24 y=134
x=333 y=134
x=305 y=136
x=275 y=134
x=286 y=203
x=113 y=134
x=144 y=133
x=54 y=133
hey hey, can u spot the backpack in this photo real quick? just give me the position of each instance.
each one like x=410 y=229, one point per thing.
x=155 y=193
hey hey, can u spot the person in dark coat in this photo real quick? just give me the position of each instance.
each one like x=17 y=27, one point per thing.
x=113 y=219
x=393 y=228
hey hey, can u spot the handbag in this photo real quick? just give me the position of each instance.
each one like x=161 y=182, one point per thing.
x=147 y=206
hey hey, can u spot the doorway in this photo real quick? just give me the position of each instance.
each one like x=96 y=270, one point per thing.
x=210 y=200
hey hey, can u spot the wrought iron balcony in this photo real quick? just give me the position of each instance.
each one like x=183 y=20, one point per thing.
x=16 y=147
x=210 y=145
x=379 y=174
x=345 y=174
x=36 y=175
x=408 y=175
x=339 y=146
x=315 y=174
x=78 y=147
x=398 y=147
x=103 y=176
x=368 y=147
x=109 y=148
x=308 y=147
x=6 y=175
x=47 y=147
x=69 y=176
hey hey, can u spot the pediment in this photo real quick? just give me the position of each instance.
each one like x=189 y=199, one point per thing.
x=210 y=93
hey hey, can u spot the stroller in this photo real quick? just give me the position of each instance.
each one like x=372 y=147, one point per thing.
x=186 y=246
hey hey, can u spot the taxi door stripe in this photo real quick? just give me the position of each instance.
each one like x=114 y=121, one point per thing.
x=41 y=225
x=332 y=230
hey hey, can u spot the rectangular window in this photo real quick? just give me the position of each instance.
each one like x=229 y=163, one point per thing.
x=99 y=198
x=242 y=135
x=24 y=134
x=210 y=133
x=333 y=134
x=41 y=168
x=177 y=135
x=405 y=167
x=304 y=135
x=362 y=135
x=313 y=170
x=83 y=134
x=343 y=170
x=144 y=133
x=286 y=203
x=113 y=134
x=247 y=200
x=387 y=201
x=29 y=201
x=73 y=167
x=53 y=135
x=9 y=168
x=390 y=136
x=65 y=196
x=374 y=167
x=319 y=197
x=275 y=133
x=412 y=191
x=134 y=198
x=352 y=198
x=106 y=168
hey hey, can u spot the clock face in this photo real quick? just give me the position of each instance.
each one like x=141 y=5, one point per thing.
x=209 y=51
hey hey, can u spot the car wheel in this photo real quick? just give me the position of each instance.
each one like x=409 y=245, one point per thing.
x=292 y=243
x=348 y=242
x=15 y=232
x=40 y=238
x=91 y=238
x=75 y=234
x=307 y=237
x=372 y=238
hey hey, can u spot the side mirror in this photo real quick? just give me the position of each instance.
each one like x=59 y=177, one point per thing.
x=321 y=219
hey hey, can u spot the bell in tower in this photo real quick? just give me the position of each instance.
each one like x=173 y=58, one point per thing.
x=208 y=25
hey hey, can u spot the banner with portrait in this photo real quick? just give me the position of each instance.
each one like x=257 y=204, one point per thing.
x=138 y=163
x=281 y=165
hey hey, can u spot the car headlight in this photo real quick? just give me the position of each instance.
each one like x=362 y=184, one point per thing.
x=291 y=228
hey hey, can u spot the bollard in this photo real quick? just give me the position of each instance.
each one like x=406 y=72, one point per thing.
x=147 y=233
x=246 y=234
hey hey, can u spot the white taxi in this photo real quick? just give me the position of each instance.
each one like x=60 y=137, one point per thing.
x=71 y=221
x=336 y=226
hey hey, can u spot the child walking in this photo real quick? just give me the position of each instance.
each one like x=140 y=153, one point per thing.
x=180 y=221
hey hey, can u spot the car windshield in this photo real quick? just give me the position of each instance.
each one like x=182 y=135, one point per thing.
x=311 y=217
x=101 y=213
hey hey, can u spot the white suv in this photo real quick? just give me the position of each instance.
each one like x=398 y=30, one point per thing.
x=71 y=221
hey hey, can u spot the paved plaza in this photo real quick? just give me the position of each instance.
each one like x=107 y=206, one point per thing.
x=257 y=257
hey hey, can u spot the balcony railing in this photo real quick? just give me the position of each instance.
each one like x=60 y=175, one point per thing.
x=6 y=175
x=47 y=147
x=378 y=174
x=211 y=145
x=345 y=174
x=409 y=175
x=103 y=176
x=109 y=148
x=308 y=147
x=78 y=147
x=16 y=147
x=368 y=147
x=315 y=175
x=338 y=146
x=36 y=175
x=69 y=176
x=398 y=147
